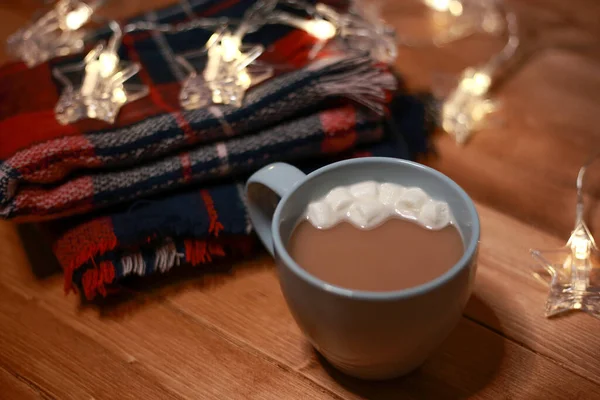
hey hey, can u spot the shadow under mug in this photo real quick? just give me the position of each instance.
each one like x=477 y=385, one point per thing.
x=371 y=335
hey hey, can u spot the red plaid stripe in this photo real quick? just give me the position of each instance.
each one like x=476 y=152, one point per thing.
x=339 y=125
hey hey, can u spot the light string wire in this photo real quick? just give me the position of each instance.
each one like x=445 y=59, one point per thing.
x=580 y=208
x=59 y=32
x=467 y=105
x=103 y=89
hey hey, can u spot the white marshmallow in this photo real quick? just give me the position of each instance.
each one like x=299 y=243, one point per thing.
x=362 y=190
x=389 y=193
x=339 y=198
x=435 y=214
x=320 y=214
x=410 y=202
x=367 y=204
x=366 y=213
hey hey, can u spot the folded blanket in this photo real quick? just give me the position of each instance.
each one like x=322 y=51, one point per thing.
x=49 y=170
x=201 y=224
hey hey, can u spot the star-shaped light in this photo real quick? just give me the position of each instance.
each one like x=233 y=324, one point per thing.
x=574 y=273
x=56 y=33
x=363 y=29
x=457 y=19
x=103 y=90
x=574 y=270
x=464 y=110
x=227 y=74
x=466 y=106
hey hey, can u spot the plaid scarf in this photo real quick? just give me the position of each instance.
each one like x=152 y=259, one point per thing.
x=197 y=226
x=163 y=187
x=38 y=164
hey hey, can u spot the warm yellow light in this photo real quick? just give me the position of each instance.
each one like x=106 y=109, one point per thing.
x=475 y=82
x=320 y=28
x=91 y=77
x=230 y=48
x=482 y=81
x=108 y=63
x=119 y=95
x=243 y=79
x=439 y=5
x=455 y=7
x=580 y=246
x=76 y=18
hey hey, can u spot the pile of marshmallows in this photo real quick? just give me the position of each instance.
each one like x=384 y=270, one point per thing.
x=368 y=204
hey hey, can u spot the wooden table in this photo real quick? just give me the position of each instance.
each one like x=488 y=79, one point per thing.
x=230 y=336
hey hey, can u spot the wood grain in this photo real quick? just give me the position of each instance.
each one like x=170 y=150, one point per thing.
x=247 y=310
x=14 y=388
x=472 y=363
x=158 y=346
x=231 y=335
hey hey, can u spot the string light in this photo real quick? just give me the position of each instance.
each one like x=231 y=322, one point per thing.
x=226 y=78
x=456 y=19
x=455 y=7
x=363 y=29
x=228 y=73
x=103 y=89
x=76 y=17
x=465 y=108
x=319 y=28
x=56 y=33
x=573 y=284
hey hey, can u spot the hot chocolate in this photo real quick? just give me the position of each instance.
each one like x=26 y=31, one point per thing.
x=376 y=237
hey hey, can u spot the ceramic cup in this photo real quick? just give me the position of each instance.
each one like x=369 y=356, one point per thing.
x=371 y=335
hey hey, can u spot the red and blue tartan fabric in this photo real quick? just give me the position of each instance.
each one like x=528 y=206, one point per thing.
x=48 y=170
x=201 y=224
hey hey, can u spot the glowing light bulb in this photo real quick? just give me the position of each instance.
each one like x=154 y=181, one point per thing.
x=76 y=18
x=320 y=28
x=244 y=79
x=91 y=78
x=466 y=106
x=230 y=48
x=481 y=82
x=580 y=246
x=456 y=8
x=438 y=5
x=119 y=95
x=108 y=63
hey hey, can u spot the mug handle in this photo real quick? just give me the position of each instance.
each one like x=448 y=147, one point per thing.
x=281 y=178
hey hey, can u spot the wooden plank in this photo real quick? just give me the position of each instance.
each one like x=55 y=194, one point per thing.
x=62 y=362
x=507 y=298
x=473 y=363
x=247 y=309
x=525 y=169
x=12 y=387
x=510 y=300
x=173 y=349
x=251 y=309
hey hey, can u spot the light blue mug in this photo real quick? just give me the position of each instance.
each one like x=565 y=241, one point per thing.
x=371 y=335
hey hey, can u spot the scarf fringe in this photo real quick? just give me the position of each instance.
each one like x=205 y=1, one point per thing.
x=359 y=78
x=197 y=251
x=103 y=245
